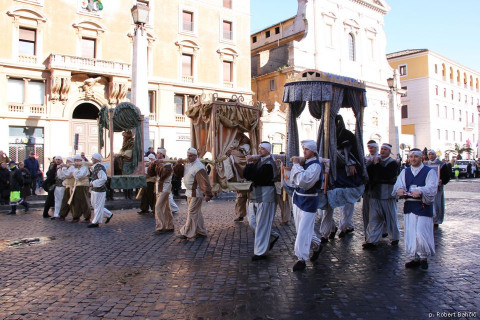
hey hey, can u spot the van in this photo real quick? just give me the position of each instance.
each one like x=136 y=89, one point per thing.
x=463 y=168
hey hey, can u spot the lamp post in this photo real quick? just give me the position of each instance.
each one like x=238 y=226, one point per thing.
x=393 y=118
x=478 y=130
x=140 y=13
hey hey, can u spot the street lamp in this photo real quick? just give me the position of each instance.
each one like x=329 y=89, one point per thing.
x=393 y=118
x=140 y=13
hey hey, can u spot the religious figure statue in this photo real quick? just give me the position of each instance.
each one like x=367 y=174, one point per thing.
x=125 y=154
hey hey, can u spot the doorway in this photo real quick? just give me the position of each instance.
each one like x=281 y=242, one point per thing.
x=85 y=123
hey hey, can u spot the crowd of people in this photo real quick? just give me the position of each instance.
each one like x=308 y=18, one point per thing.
x=296 y=190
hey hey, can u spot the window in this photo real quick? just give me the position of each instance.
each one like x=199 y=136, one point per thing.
x=438 y=134
x=27 y=41
x=227 y=4
x=453 y=113
x=36 y=92
x=436 y=68
x=277 y=30
x=453 y=135
x=459 y=115
x=404 y=112
x=187 y=21
x=445 y=112
x=402 y=70
x=466 y=99
x=88 y=48
x=254 y=39
x=472 y=118
x=351 y=47
x=227 y=71
x=227 y=30
x=267 y=34
x=459 y=97
x=272 y=84
x=187 y=65
x=461 y=136
x=452 y=94
x=16 y=91
x=436 y=90
x=438 y=111
x=179 y=104
x=151 y=101
x=444 y=92
x=472 y=101
x=446 y=134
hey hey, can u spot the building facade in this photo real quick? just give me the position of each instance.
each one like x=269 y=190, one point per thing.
x=339 y=37
x=61 y=61
x=442 y=104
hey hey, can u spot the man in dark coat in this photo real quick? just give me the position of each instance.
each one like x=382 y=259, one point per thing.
x=4 y=184
x=49 y=187
x=16 y=184
x=31 y=164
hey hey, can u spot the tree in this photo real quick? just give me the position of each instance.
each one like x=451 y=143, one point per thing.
x=458 y=151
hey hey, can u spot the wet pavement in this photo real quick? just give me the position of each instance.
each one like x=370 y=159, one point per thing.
x=60 y=270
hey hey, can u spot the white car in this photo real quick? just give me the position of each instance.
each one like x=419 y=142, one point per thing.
x=463 y=167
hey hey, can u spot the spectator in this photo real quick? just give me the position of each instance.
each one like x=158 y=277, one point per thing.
x=149 y=152
x=83 y=157
x=4 y=158
x=49 y=187
x=16 y=184
x=469 y=170
x=4 y=184
x=31 y=164
x=27 y=181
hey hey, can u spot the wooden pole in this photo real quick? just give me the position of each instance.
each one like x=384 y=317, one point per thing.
x=287 y=110
x=214 y=142
x=111 y=133
x=326 y=140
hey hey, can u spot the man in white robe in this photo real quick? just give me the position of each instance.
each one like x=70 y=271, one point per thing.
x=59 y=188
x=418 y=184
x=262 y=170
x=444 y=178
x=99 y=192
x=307 y=181
x=79 y=198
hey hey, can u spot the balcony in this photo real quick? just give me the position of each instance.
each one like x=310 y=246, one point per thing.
x=95 y=66
x=180 y=118
x=187 y=79
x=26 y=109
x=469 y=126
x=23 y=58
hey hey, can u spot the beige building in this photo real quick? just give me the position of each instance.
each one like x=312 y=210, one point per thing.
x=60 y=61
x=442 y=104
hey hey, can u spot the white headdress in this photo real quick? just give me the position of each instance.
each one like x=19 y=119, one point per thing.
x=192 y=150
x=310 y=145
x=97 y=156
x=267 y=146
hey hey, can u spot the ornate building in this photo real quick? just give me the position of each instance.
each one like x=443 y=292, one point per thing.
x=60 y=61
x=344 y=38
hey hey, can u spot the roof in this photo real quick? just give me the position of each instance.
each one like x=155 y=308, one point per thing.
x=405 y=53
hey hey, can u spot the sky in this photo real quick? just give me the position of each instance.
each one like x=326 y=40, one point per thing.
x=448 y=27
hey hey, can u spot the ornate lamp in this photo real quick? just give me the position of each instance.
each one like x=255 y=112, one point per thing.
x=140 y=13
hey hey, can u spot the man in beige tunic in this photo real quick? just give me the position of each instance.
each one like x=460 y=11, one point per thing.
x=163 y=212
x=79 y=199
x=198 y=186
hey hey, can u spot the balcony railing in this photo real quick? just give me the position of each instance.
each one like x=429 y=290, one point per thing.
x=24 y=58
x=180 y=118
x=61 y=61
x=26 y=109
x=187 y=79
x=228 y=84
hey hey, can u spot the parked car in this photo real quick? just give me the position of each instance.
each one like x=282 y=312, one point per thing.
x=463 y=168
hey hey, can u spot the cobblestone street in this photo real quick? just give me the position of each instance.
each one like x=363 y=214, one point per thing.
x=122 y=270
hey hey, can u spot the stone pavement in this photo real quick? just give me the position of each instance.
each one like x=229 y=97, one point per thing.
x=122 y=270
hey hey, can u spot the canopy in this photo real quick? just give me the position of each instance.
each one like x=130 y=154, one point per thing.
x=126 y=116
x=216 y=123
x=326 y=94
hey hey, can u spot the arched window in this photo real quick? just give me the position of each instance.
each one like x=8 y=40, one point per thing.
x=351 y=47
x=477 y=84
x=471 y=82
x=451 y=73
x=444 y=70
x=458 y=76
